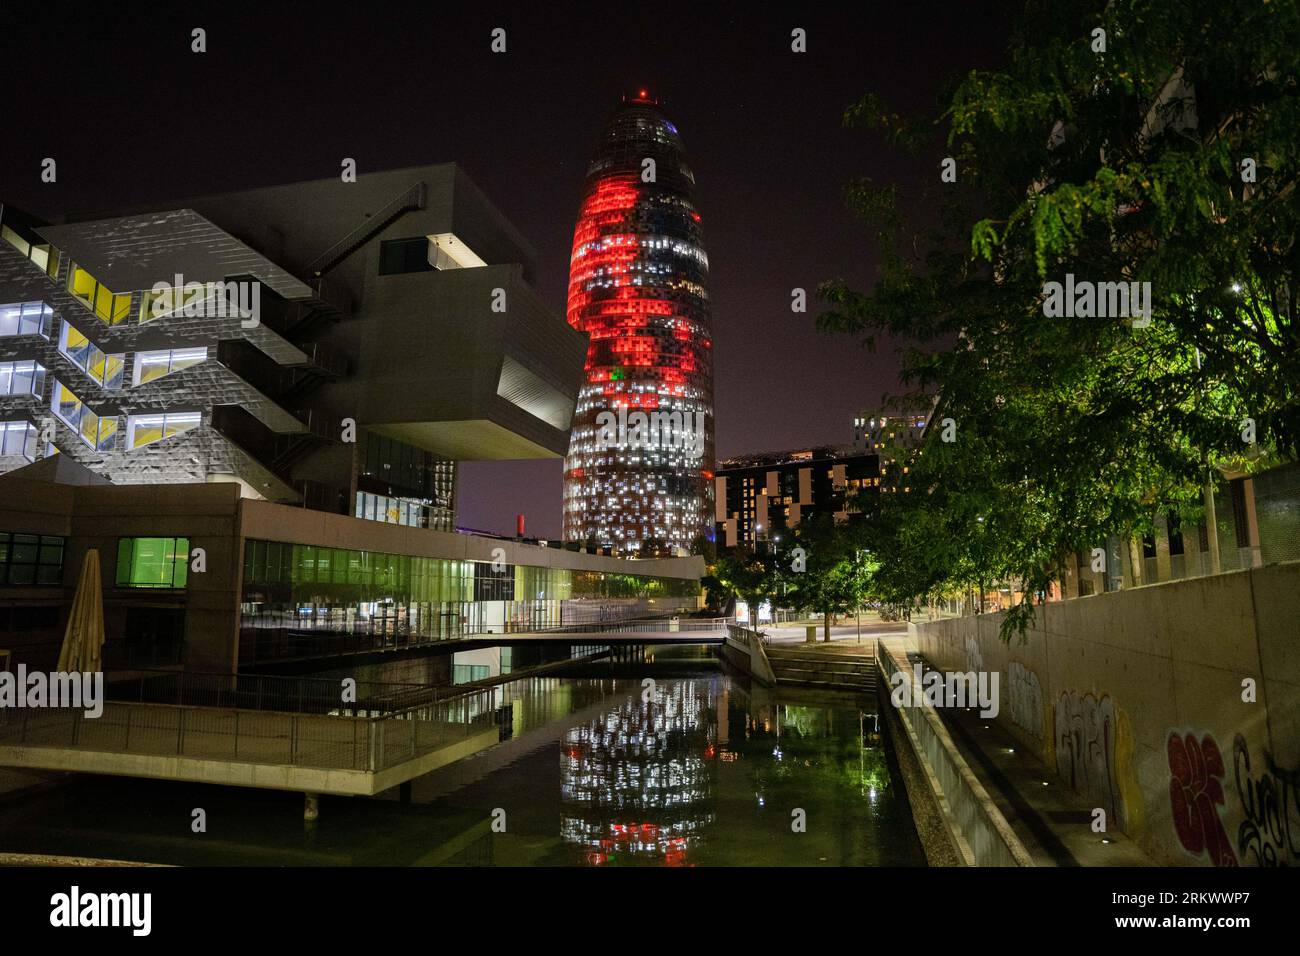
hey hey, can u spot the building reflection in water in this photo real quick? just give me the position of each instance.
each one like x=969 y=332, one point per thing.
x=637 y=784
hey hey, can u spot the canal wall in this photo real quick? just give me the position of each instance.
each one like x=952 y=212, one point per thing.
x=977 y=831
x=1174 y=708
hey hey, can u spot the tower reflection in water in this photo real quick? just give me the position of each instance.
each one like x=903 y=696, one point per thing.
x=637 y=783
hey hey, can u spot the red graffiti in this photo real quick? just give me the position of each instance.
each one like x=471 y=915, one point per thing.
x=1195 y=788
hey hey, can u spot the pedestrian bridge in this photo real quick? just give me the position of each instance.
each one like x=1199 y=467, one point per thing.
x=293 y=733
x=228 y=730
x=282 y=644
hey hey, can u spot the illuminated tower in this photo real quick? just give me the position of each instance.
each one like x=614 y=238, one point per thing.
x=639 y=473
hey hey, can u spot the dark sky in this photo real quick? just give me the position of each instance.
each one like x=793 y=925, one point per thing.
x=133 y=116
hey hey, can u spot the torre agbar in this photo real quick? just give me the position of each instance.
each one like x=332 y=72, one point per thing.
x=639 y=473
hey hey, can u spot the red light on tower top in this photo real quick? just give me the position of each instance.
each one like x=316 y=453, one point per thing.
x=642 y=96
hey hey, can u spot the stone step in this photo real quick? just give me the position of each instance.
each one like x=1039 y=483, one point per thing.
x=824 y=666
x=864 y=684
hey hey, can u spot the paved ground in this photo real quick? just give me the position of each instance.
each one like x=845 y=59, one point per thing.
x=843 y=635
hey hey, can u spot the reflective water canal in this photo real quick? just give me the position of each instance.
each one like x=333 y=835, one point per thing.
x=592 y=771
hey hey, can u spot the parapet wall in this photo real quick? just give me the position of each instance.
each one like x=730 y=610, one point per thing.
x=1174 y=707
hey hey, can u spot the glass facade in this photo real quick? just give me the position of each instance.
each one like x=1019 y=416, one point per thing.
x=110 y=307
x=45 y=256
x=152 y=365
x=307 y=587
x=398 y=256
x=398 y=483
x=25 y=318
x=31 y=559
x=98 y=432
x=152 y=562
x=18 y=438
x=22 y=378
x=104 y=370
x=145 y=429
x=639 y=473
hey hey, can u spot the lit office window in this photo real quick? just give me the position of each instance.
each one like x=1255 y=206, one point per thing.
x=108 y=306
x=18 y=438
x=145 y=429
x=105 y=370
x=31 y=559
x=99 y=432
x=46 y=257
x=152 y=562
x=188 y=299
x=22 y=378
x=25 y=318
x=152 y=365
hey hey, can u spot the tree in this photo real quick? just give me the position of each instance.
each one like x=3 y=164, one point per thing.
x=1127 y=165
x=743 y=575
x=825 y=569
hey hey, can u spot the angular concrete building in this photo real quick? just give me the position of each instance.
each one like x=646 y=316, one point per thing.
x=337 y=345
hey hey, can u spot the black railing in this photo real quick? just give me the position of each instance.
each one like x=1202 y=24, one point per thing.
x=303 y=641
x=299 y=695
x=412 y=198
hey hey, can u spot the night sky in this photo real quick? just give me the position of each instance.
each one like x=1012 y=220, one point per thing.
x=132 y=116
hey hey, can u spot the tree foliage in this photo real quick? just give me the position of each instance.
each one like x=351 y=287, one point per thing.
x=1125 y=165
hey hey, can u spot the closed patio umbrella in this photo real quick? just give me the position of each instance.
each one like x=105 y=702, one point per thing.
x=83 y=641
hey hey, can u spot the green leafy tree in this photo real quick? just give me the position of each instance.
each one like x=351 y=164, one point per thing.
x=1128 y=165
x=742 y=575
x=825 y=569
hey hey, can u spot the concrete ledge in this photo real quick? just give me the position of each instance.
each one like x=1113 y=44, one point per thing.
x=241 y=774
x=980 y=831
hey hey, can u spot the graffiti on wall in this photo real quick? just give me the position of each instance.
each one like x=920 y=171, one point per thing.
x=1270 y=833
x=1196 y=775
x=1094 y=750
x=1026 y=698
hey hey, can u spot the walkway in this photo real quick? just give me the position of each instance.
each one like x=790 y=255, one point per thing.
x=311 y=753
x=1052 y=822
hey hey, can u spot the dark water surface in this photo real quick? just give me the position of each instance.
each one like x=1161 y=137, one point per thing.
x=595 y=771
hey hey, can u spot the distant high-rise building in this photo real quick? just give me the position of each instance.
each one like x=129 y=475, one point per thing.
x=880 y=432
x=890 y=436
x=764 y=496
x=639 y=474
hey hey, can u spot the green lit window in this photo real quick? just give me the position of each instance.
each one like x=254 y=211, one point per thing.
x=152 y=562
x=31 y=559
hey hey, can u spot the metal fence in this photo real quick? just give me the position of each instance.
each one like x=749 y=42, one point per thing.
x=316 y=740
x=303 y=695
x=259 y=644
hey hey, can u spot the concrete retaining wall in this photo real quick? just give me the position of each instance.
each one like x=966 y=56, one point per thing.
x=1142 y=700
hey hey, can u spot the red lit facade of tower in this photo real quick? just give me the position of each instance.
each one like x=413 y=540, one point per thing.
x=639 y=474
